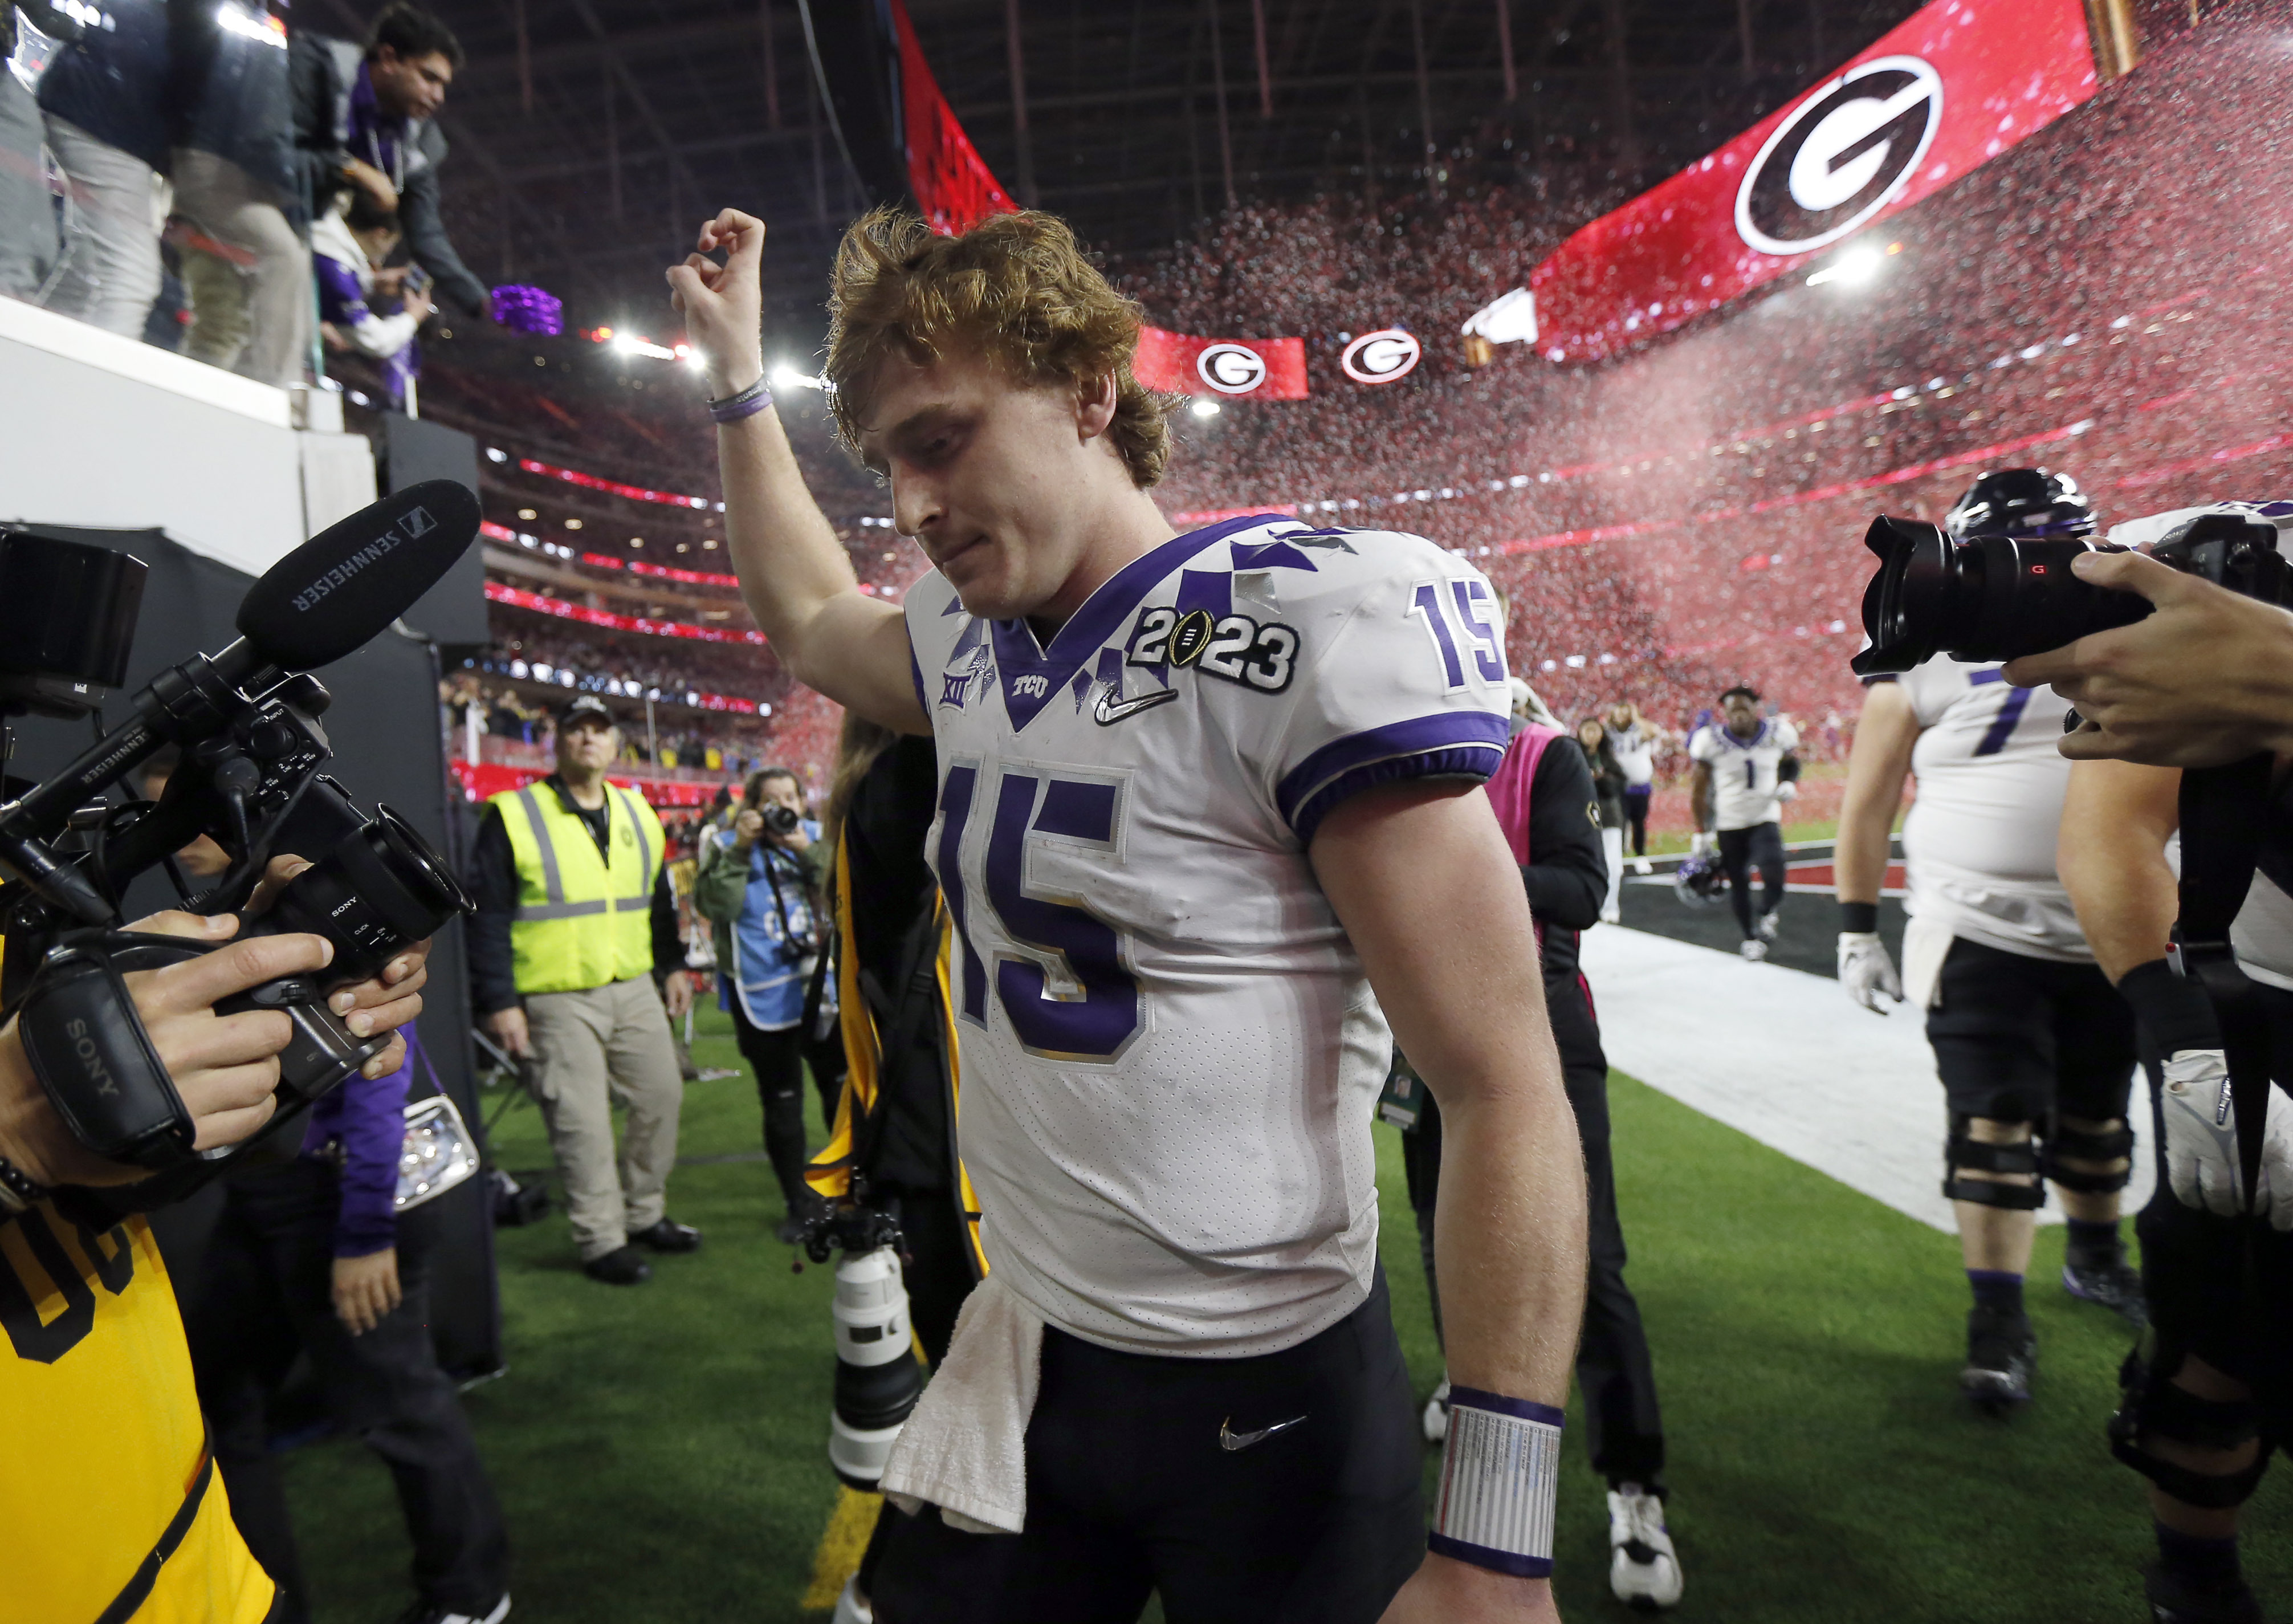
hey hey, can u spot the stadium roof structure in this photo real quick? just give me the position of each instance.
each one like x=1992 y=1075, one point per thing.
x=591 y=135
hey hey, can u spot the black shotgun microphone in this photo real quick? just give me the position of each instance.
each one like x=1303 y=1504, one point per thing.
x=327 y=600
x=343 y=587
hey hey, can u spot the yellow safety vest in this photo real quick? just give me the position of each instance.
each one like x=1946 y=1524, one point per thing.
x=580 y=924
x=111 y=1502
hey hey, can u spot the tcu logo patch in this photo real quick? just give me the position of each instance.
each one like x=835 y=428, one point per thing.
x=1031 y=687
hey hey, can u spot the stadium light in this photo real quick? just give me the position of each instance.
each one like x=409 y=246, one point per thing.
x=1856 y=266
x=786 y=376
x=1204 y=408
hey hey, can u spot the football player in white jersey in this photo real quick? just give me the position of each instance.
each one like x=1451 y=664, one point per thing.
x=1209 y=819
x=1745 y=771
x=2028 y=1034
x=1635 y=740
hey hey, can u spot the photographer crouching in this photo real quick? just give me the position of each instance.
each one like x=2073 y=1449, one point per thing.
x=2180 y=670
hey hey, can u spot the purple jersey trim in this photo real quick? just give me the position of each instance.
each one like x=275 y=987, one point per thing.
x=1497 y=1404
x=1482 y=1556
x=1077 y=643
x=1460 y=743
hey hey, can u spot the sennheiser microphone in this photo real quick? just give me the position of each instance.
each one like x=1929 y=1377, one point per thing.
x=343 y=587
x=325 y=600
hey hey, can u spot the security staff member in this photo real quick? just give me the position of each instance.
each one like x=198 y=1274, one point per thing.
x=575 y=922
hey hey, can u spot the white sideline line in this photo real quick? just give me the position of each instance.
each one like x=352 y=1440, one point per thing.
x=1782 y=1056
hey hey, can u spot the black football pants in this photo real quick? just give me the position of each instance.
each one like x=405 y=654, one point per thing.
x=1130 y=1490
x=1741 y=850
x=265 y=1288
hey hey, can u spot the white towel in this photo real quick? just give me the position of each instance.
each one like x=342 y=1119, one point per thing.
x=964 y=1447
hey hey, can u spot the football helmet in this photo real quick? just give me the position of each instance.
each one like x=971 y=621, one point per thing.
x=1700 y=881
x=2021 y=502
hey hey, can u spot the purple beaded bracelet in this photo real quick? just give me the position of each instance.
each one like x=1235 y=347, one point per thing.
x=747 y=403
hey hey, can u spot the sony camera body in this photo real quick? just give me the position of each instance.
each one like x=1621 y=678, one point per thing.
x=780 y=819
x=1991 y=598
x=246 y=722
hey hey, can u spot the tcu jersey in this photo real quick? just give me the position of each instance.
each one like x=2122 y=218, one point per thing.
x=1979 y=843
x=1744 y=771
x=1634 y=748
x=1170 y=1051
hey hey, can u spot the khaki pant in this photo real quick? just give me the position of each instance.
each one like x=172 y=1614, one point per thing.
x=589 y=1049
x=250 y=313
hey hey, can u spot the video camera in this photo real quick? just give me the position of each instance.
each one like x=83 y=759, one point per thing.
x=1999 y=597
x=246 y=721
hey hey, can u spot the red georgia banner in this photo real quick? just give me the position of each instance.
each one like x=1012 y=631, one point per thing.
x=952 y=182
x=1955 y=85
x=1251 y=369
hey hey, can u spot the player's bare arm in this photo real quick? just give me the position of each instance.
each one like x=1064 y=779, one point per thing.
x=795 y=577
x=2117 y=818
x=1876 y=765
x=1419 y=876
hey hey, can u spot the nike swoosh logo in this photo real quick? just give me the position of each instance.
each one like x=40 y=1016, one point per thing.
x=1230 y=1441
x=1110 y=711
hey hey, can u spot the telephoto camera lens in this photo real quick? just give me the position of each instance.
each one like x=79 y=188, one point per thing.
x=1982 y=599
x=380 y=891
x=877 y=1376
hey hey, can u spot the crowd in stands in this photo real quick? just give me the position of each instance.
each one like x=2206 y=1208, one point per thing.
x=288 y=158
x=1673 y=521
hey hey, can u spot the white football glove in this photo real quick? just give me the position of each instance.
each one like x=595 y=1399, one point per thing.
x=1866 y=970
x=2201 y=1159
x=1787 y=790
x=1704 y=844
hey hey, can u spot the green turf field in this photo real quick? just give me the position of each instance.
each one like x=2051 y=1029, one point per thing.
x=659 y=1450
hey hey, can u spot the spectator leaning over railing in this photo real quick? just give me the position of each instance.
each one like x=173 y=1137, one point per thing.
x=365 y=116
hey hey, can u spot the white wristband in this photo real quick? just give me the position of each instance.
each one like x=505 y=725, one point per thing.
x=1500 y=1477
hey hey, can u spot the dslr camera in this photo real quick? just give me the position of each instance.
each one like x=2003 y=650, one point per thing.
x=1999 y=597
x=779 y=818
x=247 y=723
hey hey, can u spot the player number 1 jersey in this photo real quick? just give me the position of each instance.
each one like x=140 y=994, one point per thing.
x=1170 y=1051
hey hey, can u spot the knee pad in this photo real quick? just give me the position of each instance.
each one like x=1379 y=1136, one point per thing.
x=1962 y=1155
x=2116 y=1145
x=2149 y=1403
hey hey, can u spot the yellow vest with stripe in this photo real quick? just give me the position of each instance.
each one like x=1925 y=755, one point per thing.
x=111 y=1502
x=580 y=924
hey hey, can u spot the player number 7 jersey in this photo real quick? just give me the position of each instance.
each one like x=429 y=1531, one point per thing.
x=1170 y=1051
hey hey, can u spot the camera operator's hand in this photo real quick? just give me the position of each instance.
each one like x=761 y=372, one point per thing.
x=366 y=1288
x=224 y=1066
x=746 y=828
x=723 y=305
x=380 y=1003
x=507 y=1027
x=2205 y=679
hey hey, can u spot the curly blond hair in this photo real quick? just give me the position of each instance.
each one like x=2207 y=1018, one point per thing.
x=1016 y=285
